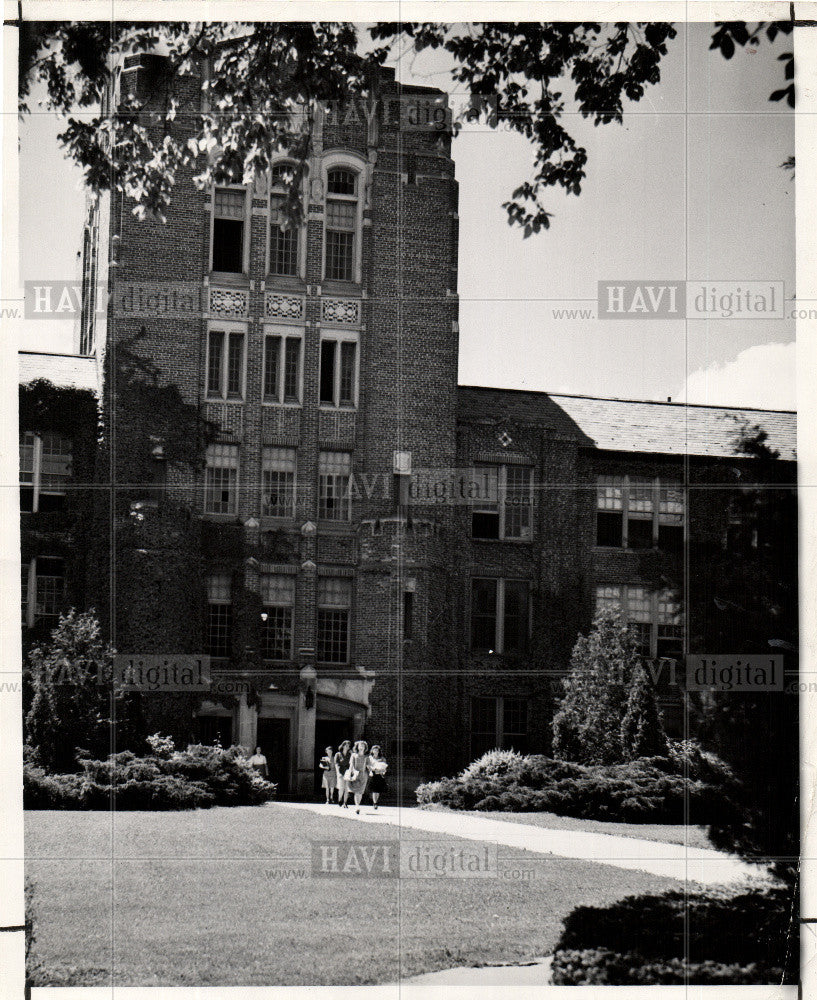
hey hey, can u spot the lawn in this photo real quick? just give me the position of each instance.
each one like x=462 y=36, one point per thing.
x=693 y=836
x=226 y=897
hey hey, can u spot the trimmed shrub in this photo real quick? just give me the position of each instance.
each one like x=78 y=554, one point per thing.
x=716 y=936
x=196 y=778
x=649 y=790
x=599 y=967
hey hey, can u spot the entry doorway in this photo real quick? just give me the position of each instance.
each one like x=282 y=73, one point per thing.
x=329 y=733
x=273 y=738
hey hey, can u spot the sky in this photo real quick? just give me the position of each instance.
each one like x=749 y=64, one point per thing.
x=688 y=187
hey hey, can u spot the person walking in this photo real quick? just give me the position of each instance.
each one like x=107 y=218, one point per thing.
x=376 y=766
x=259 y=763
x=341 y=760
x=357 y=775
x=329 y=778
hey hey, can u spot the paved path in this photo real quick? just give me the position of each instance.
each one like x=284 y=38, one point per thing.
x=686 y=864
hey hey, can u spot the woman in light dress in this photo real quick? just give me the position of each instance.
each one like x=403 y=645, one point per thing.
x=357 y=774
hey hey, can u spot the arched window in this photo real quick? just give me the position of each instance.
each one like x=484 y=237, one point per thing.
x=284 y=236
x=342 y=224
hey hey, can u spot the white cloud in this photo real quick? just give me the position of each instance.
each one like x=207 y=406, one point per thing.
x=762 y=376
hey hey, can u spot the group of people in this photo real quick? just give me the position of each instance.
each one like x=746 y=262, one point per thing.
x=353 y=770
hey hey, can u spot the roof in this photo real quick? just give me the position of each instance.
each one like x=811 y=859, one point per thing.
x=633 y=425
x=60 y=369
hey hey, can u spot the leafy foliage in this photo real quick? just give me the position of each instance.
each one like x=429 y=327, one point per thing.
x=72 y=702
x=717 y=936
x=642 y=734
x=608 y=713
x=267 y=79
x=649 y=790
x=195 y=778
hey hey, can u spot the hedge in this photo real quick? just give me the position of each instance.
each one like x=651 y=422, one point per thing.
x=196 y=778
x=675 y=789
x=711 y=937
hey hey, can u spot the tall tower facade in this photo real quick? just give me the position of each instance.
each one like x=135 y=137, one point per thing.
x=269 y=389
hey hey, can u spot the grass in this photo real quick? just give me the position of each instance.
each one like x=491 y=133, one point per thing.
x=694 y=836
x=225 y=897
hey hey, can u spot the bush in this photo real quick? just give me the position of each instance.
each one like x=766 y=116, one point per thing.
x=196 y=778
x=52 y=791
x=599 y=967
x=648 y=790
x=716 y=936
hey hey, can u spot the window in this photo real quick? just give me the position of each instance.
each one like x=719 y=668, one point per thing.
x=655 y=616
x=45 y=468
x=229 y=210
x=499 y=615
x=502 y=502
x=282 y=368
x=225 y=364
x=638 y=512
x=284 y=236
x=278 y=482
x=219 y=616
x=278 y=600
x=43 y=590
x=221 y=479
x=334 y=485
x=498 y=723
x=334 y=605
x=338 y=377
x=342 y=235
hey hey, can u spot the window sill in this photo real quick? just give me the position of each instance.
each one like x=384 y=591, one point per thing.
x=621 y=548
x=286 y=405
x=234 y=400
x=229 y=278
x=342 y=408
x=333 y=286
x=504 y=541
x=287 y=282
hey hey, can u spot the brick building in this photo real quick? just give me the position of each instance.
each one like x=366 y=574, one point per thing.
x=296 y=486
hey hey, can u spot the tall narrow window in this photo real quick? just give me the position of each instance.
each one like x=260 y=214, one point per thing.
x=225 y=364
x=502 y=498
x=499 y=615
x=282 y=368
x=334 y=609
x=219 y=616
x=341 y=224
x=483 y=614
x=229 y=207
x=327 y=380
x=498 y=723
x=278 y=476
x=45 y=468
x=221 y=479
x=338 y=374
x=334 y=473
x=284 y=236
x=278 y=608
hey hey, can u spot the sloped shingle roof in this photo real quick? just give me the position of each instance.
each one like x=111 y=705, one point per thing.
x=633 y=425
x=59 y=369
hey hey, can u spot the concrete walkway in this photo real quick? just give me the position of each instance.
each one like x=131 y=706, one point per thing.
x=686 y=864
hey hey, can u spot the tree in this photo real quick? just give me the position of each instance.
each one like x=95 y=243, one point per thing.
x=642 y=733
x=601 y=690
x=71 y=707
x=264 y=73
